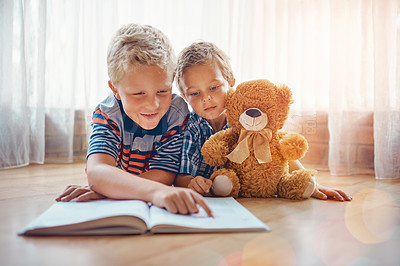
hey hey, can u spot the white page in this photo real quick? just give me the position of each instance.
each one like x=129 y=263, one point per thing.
x=64 y=213
x=228 y=214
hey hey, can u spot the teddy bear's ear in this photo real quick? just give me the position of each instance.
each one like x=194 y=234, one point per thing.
x=229 y=95
x=285 y=94
x=284 y=100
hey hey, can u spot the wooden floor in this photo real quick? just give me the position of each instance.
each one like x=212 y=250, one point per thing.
x=365 y=231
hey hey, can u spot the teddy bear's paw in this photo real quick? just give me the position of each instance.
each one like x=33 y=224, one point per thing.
x=214 y=154
x=293 y=146
x=215 y=160
x=222 y=186
x=312 y=184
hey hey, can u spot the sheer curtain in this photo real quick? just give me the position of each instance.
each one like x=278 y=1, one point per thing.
x=22 y=82
x=53 y=63
x=339 y=57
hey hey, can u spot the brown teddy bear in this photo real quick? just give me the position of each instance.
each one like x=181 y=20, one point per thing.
x=254 y=153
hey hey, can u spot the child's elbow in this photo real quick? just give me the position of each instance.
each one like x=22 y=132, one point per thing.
x=90 y=176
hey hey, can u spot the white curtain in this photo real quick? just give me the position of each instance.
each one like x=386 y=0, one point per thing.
x=22 y=82
x=339 y=57
x=387 y=89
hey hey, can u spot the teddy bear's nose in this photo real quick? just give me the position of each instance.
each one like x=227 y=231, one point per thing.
x=253 y=112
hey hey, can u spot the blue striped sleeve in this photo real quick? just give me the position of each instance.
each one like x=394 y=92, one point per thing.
x=105 y=137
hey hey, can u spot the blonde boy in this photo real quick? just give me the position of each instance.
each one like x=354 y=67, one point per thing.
x=203 y=77
x=136 y=136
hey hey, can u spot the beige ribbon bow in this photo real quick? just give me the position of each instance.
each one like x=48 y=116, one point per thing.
x=260 y=142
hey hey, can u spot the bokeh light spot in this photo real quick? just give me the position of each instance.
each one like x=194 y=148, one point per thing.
x=372 y=216
x=268 y=249
x=333 y=243
x=234 y=259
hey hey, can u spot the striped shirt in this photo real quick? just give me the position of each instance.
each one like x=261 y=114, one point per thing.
x=196 y=133
x=135 y=149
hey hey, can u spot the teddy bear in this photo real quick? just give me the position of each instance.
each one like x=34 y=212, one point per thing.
x=254 y=152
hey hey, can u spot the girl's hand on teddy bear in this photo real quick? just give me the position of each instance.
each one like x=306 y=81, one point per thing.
x=200 y=184
x=323 y=193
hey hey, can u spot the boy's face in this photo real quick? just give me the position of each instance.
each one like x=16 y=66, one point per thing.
x=205 y=89
x=145 y=94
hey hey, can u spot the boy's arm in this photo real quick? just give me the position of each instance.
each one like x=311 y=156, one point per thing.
x=295 y=165
x=115 y=183
x=161 y=176
x=183 y=180
x=321 y=192
x=190 y=156
x=112 y=182
x=199 y=184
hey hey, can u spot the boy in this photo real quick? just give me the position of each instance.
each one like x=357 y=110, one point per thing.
x=136 y=136
x=203 y=77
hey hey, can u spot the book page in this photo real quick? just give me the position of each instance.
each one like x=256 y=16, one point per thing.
x=65 y=216
x=229 y=215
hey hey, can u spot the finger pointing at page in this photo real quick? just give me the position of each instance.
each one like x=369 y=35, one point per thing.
x=203 y=203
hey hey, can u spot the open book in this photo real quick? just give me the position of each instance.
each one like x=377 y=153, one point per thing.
x=120 y=217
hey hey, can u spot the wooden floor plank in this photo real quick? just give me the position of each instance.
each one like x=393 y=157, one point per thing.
x=365 y=231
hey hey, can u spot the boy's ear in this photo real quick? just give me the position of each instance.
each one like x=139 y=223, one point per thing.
x=233 y=82
x=114 y=90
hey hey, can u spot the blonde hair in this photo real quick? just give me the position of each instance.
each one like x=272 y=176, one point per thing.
x=136 y=45
x=201 y=53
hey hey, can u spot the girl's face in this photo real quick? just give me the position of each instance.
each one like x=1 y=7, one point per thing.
x=205 y=90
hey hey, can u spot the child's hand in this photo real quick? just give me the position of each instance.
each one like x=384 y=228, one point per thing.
x=324 y=193
x=79 y=193
x=200 y=184
x=180 y=200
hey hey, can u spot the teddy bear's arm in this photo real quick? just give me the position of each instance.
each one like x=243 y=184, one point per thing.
x=216 y=148
x=292 y=146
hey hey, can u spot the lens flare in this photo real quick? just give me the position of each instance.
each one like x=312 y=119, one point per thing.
x=234 y=259
x=333 y=243
x=372 y=216
x=268 y=249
